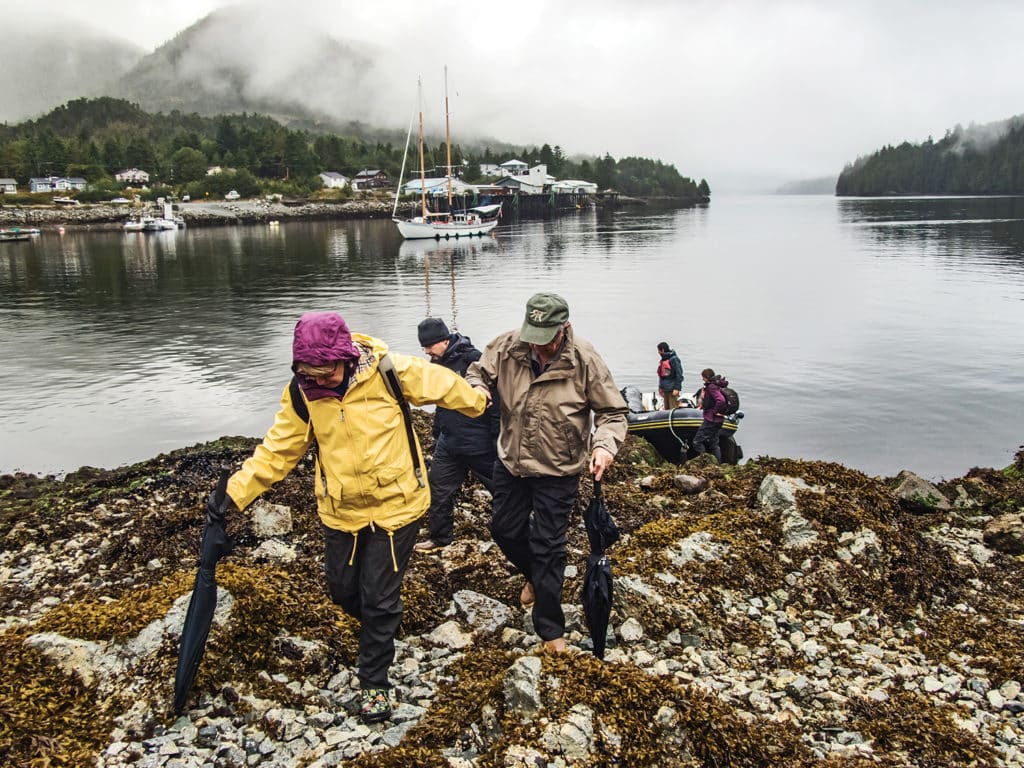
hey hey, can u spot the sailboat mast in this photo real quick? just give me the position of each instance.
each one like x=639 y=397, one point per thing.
x=423 y=170
x=448 y=139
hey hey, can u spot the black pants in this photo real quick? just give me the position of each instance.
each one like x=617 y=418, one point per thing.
x=370 y=590
x=706 y=439
x=447 y=474
x=536 y=544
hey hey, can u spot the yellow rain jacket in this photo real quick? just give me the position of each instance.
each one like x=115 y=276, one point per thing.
x=363 y=449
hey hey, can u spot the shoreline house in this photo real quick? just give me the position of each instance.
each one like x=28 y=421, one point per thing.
x=532 y=181
x=333 y=180
x=514 y=168
x=132 y=176
x=438 y=187
x=56 y=183
x=574 y=187
x=8 y=187
x=370 y=178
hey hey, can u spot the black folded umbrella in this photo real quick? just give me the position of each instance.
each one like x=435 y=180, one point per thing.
x=203 y=603
x=597 y=581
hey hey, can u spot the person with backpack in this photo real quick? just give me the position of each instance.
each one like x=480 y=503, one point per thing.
x=461 y=444
x=370 y=496
x=711 y=400
x=670 y=376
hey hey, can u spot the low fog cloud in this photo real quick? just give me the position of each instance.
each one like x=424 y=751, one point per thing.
x=746 y=94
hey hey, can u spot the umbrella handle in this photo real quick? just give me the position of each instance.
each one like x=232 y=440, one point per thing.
x=220 y=493
x=597 y=489
x=222 y=484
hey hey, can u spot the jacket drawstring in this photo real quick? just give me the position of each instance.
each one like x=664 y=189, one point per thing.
x=355 y=541
x=391 y=540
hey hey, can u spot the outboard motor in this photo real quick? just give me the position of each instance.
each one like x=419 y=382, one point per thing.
x=634 y=399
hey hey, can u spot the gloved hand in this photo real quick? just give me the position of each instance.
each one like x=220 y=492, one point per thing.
x=218 y=505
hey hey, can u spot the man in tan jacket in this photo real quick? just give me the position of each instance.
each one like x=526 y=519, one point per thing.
x=553 y=387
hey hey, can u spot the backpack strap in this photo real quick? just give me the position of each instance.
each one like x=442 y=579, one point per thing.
x=387 y=370
x=391 y=383
x=298 y=401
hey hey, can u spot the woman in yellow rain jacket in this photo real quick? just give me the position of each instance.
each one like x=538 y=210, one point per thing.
x=368 y=496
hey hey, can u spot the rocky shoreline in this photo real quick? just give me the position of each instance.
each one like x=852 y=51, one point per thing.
x=779 y=613
x=220 y=213
x=105 y=216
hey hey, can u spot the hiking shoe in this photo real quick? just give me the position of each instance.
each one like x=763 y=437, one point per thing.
x=527 y=596
x=428 y=546
x=554 y=646
x=375 y=706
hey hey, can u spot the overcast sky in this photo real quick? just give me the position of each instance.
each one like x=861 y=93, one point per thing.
x=748 y=93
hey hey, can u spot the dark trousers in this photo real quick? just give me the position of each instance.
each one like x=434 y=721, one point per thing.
x=706 y=439
x=536 y=544
x=447 y=474
x=370 y=590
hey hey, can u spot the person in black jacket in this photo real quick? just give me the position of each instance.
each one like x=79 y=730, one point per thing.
x=461 y=444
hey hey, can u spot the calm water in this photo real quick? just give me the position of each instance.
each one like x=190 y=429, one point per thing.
x=883 y=334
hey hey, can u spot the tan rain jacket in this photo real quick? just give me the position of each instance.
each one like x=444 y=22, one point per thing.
x=364 y=452
x=546 y=421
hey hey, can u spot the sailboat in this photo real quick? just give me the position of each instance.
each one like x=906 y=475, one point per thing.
x=446 y=224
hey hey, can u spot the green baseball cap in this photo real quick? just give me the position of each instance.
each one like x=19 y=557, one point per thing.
x=545 y=314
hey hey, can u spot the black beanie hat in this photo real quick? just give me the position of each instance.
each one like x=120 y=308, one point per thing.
x=431 y=331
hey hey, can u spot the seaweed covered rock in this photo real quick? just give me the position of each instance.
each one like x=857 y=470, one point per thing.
x=776 y=613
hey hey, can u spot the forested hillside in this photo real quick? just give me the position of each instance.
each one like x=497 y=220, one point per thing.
x=96 y=138
x=984 y=160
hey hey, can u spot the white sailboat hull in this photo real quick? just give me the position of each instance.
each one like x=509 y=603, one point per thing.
x=412 y=229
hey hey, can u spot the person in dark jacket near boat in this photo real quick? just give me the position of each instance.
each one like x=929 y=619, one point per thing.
x=712 y=402
x=670 y=376
x=461 y=444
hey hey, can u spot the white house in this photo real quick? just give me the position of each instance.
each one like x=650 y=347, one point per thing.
x=333 y=179
x=490 y=169
x=8 y=187
x=132 y=176
x=55 y=183
x=513 y=168
x=575 y=187
x=520 y=183
x=72 y=182
x=42 y=184
x=438 y=187
x=213 y=170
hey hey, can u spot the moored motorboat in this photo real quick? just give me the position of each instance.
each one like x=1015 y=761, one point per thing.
x=672 y=431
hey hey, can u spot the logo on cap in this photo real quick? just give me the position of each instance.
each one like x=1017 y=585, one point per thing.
x=536 y=315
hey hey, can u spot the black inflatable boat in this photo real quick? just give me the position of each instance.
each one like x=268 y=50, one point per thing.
x=670 y=432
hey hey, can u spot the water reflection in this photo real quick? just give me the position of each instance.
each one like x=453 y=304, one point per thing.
x=957 y=230
x=445 y=259
x=855 y=330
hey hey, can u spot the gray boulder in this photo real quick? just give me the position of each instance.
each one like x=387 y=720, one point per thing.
x=1006 y=534
x=918 y=495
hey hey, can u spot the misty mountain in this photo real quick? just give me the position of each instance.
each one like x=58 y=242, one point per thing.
x=823 y=185
x=236 y=60
x=43 y=69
